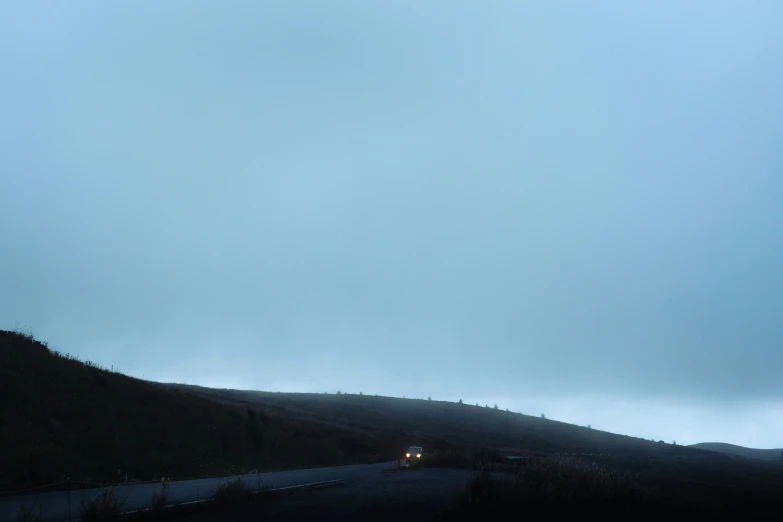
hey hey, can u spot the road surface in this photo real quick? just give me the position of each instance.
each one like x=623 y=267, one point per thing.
x=54 y=505
x=380 y=496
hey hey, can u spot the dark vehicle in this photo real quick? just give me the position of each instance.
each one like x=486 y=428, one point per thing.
x=414 y=452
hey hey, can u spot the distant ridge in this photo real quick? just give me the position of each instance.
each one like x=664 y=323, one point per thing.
x=749 y=453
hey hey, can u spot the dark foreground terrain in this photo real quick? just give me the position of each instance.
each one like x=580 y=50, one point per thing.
x=61 y=418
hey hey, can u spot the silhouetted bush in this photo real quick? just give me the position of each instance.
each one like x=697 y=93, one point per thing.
x=108 y=504
x=28 y=513
x=559 y=486
x=233 y=491
x=160 y=498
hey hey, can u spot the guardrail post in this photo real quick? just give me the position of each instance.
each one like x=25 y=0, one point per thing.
x=69 y=499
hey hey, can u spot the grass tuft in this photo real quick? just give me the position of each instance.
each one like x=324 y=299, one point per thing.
x=160 y=499
x=107 y=505
x=28 y=513
x=559 y=486
x=232 y=492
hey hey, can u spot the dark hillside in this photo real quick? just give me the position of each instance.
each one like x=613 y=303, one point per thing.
x=451 y=424
x=63 y=417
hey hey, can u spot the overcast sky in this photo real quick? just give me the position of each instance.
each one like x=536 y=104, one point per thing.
x=573 y=208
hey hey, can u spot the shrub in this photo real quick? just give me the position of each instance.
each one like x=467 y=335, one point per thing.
x=160 y=499
x=559 y=486
x=23 y=332
x=28 y=514
x=232 y=491
x=108 y=504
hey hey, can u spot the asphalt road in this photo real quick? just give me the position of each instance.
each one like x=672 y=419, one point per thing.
x=54 y=505
x=385 y=496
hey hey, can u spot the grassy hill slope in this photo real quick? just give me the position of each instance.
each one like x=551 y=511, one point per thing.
x=63 y=417
x=445 y=424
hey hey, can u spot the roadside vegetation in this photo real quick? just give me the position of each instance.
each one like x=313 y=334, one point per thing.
x=232 y=492
x=160 y=499
x=107 y=505
x=561 y=487
x=28 y=513
x=615 y=488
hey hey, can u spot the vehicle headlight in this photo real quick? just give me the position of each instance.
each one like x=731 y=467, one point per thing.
x=418 y=455
x=408 y=455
